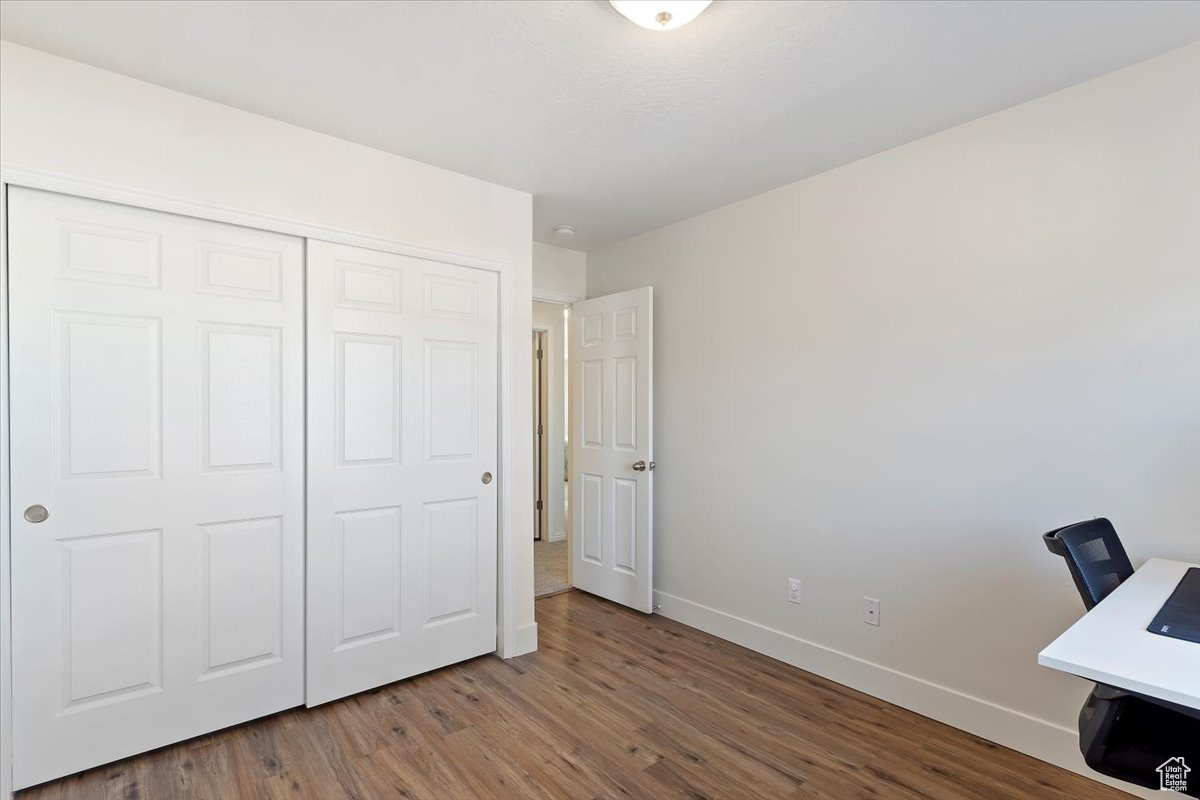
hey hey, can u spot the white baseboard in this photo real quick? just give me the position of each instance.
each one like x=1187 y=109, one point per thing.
x=524 y=641
x=557 y=537
x=1044 y=740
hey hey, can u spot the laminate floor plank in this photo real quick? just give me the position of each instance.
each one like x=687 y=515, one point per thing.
x=615 y=705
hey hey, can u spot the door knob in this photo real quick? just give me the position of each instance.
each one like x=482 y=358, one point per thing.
x=642 y=466
x=487 y=478
x=36 y=514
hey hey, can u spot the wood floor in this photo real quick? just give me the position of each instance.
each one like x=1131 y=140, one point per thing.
x=613 y=705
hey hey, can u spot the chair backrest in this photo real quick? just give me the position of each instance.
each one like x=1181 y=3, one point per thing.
x=1094 y=555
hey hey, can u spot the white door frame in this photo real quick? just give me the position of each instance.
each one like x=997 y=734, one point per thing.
x=6 y=777
x=558 y=367
x=541 y=476
x=512 y=639
x=562 y=298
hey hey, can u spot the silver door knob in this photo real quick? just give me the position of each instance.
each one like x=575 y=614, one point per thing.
x=642 y=466
x=36 y=514
x=487 y=478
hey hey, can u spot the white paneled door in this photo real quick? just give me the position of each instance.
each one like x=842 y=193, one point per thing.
x=612 y=467
x=157 y=479
x=402 y=421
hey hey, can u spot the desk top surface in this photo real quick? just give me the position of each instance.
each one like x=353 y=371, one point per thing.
x=1110 y=643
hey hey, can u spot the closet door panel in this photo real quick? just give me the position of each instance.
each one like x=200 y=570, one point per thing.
x=157 y=417
x=402 y=399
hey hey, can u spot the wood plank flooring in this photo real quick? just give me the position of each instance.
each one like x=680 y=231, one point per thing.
x=613 y=705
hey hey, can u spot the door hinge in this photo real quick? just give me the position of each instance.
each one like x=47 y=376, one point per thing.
x=539 y=431
x=539 y=505
x=539 y=354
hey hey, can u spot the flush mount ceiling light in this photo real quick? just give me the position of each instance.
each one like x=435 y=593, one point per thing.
x=564 y=231
x=660 y=15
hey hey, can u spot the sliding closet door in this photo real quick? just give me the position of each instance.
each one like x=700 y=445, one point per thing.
x=402 y=356
x=157 y=479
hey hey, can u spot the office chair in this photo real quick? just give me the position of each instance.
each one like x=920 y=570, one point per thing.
x=1121 y=735
x=1094 y=555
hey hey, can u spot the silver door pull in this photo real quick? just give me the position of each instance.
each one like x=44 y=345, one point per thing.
x=487 y=478
x=36 y=514
x=642 y=466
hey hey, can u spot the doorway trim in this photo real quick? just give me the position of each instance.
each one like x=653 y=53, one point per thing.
x=562 y=298
x=557 y=523
x=512 y=639
x=541 y=514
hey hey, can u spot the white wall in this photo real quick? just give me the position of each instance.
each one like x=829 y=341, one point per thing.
x=63 y=117
x=559 y=274
x=549 y=317
x=891 y=378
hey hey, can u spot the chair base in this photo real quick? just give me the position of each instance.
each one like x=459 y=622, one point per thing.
x=1128 y=738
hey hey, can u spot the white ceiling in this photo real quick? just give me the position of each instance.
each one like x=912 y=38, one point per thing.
x=614 y=129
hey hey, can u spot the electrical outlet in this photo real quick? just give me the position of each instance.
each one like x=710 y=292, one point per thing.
x=870 y=611
x=794 y=590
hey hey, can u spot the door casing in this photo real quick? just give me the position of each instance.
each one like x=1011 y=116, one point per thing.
x=541 y=455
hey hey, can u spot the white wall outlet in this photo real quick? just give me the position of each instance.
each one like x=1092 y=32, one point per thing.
x=793 y=590
x=870 y=611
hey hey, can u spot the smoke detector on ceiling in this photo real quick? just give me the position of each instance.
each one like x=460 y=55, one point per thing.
x=564 y=231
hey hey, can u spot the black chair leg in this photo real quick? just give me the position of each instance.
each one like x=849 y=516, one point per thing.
x=1096 y=720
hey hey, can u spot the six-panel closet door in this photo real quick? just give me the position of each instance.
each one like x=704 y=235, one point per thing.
x=160 y=370
x=157 y=383
x=402 y=421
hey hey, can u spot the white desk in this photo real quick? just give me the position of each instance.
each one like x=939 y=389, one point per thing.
x=1110 y=643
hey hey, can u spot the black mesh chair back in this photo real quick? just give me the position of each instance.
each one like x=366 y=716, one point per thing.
x=1094 y=555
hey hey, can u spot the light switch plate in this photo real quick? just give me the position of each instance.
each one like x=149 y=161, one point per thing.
x=794 y=590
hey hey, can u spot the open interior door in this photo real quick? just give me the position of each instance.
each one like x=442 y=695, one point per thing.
x=612 y=471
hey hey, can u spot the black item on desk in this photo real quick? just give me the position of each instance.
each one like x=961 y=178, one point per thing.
x=1179 y=617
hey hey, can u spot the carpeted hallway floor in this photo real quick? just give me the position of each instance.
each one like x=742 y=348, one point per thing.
x=550 y=568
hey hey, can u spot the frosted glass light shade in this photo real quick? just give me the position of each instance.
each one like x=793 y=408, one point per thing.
x=660 y=15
